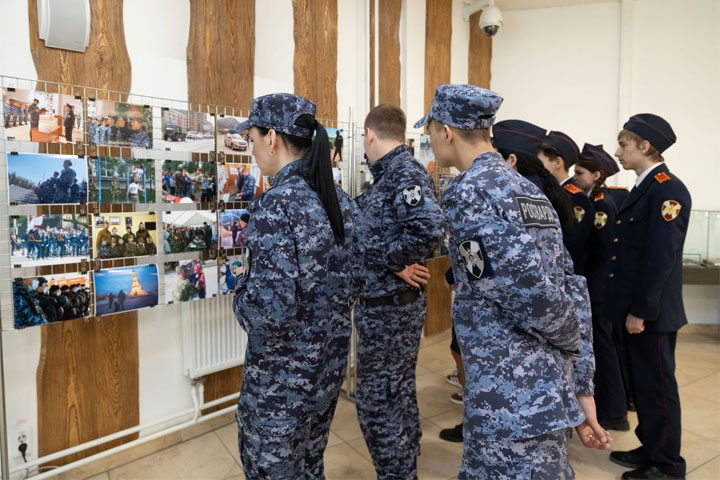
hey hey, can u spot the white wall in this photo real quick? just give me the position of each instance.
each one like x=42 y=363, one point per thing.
x=274 y=47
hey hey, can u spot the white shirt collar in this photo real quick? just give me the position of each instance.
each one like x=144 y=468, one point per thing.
x=644 y=174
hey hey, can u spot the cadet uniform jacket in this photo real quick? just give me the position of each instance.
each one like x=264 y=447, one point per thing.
x=577 y=239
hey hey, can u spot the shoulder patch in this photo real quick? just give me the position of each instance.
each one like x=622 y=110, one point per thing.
x=670 y=210
x=473 y=255
x=535 y=212
x=662 y=177
x=599 y=197
x=601 y=219
x=412 y=195
x=572 y=188
x=579 y=214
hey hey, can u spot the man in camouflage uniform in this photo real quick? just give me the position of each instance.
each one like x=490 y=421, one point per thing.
x=183 y=288
x=401 y=224
x=197 y=181
x=139 y=137
x=27 y=309
x=115 y=191
x=34 y=113
x=526 y=346
x=64 y=183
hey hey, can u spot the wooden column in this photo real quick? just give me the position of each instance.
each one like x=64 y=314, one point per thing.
x=439 y=300
x=438 y=40
x=479 y=54
x=389 y=79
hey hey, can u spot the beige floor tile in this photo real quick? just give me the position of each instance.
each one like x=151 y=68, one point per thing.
x=102 y=476
x=688 y=372
x=438 y=458
x=444 y=337
x=700 y=416
x=437 y=358
x=698 y=450
x=345 y=423
x=334 y=440
x=707 y=388
x=342 y=462
x=434 y=395
x=592 y=464
x=419 y=370
x=228 y=435
x=236 y=477
x=360 y=446
x=708 y=471
x=202 y=457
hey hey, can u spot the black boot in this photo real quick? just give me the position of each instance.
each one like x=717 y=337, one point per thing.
x=452 y=434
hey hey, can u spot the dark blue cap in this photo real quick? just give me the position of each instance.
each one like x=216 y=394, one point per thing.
x=279 y=112
x=568 y=149
x=463 y=106
x=518 y=136
x=597 y=155
x=652 y=128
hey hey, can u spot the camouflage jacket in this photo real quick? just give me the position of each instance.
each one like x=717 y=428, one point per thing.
x=27 y=309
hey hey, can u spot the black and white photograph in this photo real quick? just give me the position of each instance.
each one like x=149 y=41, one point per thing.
x=230 y=269
x=119 y=124
x=233 y=228
x=121 y=180
x=238 y=182
x=189 y=231
x=48 y=239
x=119 y=235
x=188 y=280
x=229 y=138
x=50 y=299
x=39 y=179
x=189 y=182
x=36 y=116
x=123 y=289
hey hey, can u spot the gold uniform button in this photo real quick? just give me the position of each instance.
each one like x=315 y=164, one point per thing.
x=615 y=240
x=619 y=222
x=611 y=275
x=613 y=257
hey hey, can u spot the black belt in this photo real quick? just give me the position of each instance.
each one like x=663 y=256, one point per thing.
x=402 y=298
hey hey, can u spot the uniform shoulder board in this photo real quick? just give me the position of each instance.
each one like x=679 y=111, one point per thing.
x=572 y=188
x=662 y=177
x=599 y=197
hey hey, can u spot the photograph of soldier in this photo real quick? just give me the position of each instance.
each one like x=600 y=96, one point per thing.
x=189 y=231
x=42 y=117
x=60 y=297
x=48 y=239
x=188 y=280
x=38 y=179
x=121 y=180
x=139 y=236
x=233 y=228
x=119 y=124
x=230 y=139
x=238 y=182
x=125 y=288
x=188 y=182
x=229 y=270
x=336 y=144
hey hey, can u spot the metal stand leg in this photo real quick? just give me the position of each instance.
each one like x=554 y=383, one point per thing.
x=3 y=420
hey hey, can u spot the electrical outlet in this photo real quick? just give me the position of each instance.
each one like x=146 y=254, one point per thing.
x=21 y=434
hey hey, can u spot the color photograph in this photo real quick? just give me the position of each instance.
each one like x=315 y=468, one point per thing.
x=230 y=139
x=233 y=228
x=188 y=280
x=188 y=182
x=229 y=270
x=48 y=239
x=121 y=180
x=337 y=140
x=52 y=298
x=238 y=182
x=42 y=117
x=39 y=179
x=119 y=124
x=120 y=235
x=125 y=288
x=189 y=231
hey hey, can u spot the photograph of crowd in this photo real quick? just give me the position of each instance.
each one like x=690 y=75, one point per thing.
x=238 y=182
x=188 y=182
x=124 y=235
x=229 y=138
x=188 y=280
x=121 y=180
x=48 y=239
x=233 y=228
x=119 y=124
x=189 y=231
x=42 y=117
x=125 y=288
x=38 y=179
x=53 y=298
x=185 y=131
x=229 y=270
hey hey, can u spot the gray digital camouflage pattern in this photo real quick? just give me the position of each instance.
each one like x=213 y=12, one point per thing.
x=401 y=224
x=294 y=303
x=279 y=112
x=463 y=106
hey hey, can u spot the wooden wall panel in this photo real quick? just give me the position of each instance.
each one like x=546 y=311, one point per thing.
x=372 y=54
x=479 y=54
x=315 y=60
x=439 y=303
x=221 y=52
x=438 y=40
x=222 y=384
x=389 y=13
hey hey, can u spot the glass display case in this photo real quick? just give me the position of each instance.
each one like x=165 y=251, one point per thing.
x=702 y=244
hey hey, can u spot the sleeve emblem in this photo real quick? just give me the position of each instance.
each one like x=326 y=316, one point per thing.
x=601 y=219
x=670 y=210
x=579 y=214
x=412 y=195
x=472 y=256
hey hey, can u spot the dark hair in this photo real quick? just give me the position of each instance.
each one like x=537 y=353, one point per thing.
x=552 y=153
x=593 y=167
x=528 y=165
x=319 y=172
x=387 y=121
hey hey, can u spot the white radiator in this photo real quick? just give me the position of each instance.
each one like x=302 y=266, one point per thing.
x=212 y=338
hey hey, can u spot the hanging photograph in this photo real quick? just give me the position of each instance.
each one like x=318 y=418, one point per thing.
x=188 y=182
x=188 y=280
x=123 y=289
x=121 y=180
x=42 y=117
x=120 y=235
x=338 y=177
x=119 y=124
x=189 y=231
x=185 y=131
x=48 y=239
x=238 y=182
x=337 y=140
x=51 y=298
x=229 y=270
x=233 y=228
x=229 y=138
x=39 y=179
x=424 y=152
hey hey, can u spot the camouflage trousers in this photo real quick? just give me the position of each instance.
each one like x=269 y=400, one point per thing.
x=388 y=343
x=539 y=458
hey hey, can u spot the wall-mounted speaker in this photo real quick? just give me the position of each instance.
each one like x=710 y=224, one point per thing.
x=64 y=23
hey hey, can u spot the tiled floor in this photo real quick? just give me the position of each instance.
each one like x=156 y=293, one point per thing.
x=213 y=455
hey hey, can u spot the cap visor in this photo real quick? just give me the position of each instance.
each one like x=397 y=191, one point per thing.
x=424 y=120
x=246 y=125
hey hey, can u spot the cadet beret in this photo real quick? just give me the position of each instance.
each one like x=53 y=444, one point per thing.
x=245 y=217
x=652 y=128
x=518 y=136
x=565 y=145
x=280 y=112
x=463 y=106
x=596 y=154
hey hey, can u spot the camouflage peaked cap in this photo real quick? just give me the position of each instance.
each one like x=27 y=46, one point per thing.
x=279 y=112
x=463 y=106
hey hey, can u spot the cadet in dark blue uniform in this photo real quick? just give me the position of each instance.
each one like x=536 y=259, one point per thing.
x=401 y=224
x=644 y=293
x=558 y=152
x=303 y=271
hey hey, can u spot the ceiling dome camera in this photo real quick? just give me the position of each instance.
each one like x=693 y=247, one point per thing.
x=491 y=20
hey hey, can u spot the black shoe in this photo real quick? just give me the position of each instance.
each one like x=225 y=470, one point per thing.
x=632 y=459
x=620 y=424
x=631 y=405
x=452 y=434
x=649 y=473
